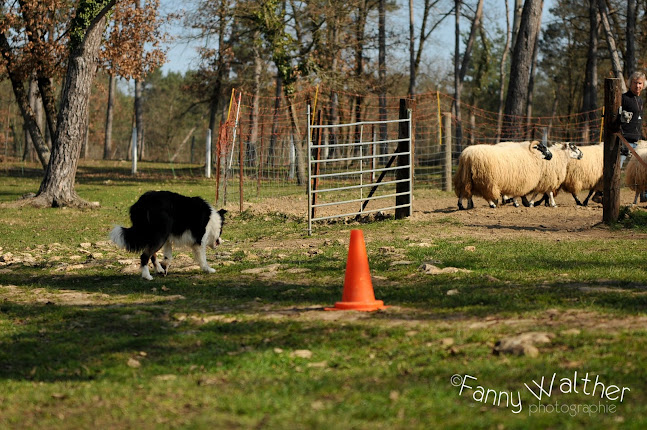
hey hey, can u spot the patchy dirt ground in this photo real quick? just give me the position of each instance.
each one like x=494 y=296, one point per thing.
x=566 y=221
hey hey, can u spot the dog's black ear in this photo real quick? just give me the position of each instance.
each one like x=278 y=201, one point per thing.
x=222 y=213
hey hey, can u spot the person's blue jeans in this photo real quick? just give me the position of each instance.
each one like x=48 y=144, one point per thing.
x=624 y=157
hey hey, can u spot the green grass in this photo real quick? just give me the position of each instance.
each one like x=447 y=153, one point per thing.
x=85 y=342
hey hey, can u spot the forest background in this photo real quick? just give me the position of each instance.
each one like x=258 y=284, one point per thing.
x=513 y=58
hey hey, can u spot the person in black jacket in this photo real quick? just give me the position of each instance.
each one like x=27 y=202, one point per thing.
x=631 y=118
x=632 y=112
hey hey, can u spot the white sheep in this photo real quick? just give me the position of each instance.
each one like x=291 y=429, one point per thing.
x=636 y=173
x=514 y=199
x=553 y=173
x=462 y=179
x=586 y=173
x=491 y=171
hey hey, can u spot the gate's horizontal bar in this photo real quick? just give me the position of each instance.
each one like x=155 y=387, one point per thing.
x=363 y=212
x=362 y=157
x=352 y=187
x=343 y=202
x=342 y=145
x=357 y=172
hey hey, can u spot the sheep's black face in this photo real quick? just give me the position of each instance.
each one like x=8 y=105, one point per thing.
x=544 y=151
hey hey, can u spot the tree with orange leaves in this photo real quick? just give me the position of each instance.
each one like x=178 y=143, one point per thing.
x=39 y=41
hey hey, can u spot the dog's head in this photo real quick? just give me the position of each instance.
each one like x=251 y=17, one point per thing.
x=214 y=227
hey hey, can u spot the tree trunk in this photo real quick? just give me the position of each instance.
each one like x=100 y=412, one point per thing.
x=531 y=86
x=28 y=154
x=107 y=144
x=333 y=118
x=333 y=111
x=589 y=92
x=476 y=23
x=139 y=117
x=517 y=96
x=38 y=108
x=253 y=114
x=630 y=56
x=502 y=72
x=359 y=101
x=457 y=86
x=516 y=21
x=22 y=99
x=412 y=53
x=214 y=110
x=429 y=7
x=298 y=146
x=86 y=138
x=139 y=106
x=360 y=27
x=214 y=105
x=48 y=99
x=44 y=82
x=57 y=187
x=382 y=79
x=274 y=136
x=611 y=43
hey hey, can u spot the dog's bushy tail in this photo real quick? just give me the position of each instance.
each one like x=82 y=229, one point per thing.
x=127 y=238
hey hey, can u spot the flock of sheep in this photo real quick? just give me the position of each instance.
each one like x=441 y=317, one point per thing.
x=521 y=169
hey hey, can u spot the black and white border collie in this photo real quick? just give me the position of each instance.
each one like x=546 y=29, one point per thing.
x=162 y=219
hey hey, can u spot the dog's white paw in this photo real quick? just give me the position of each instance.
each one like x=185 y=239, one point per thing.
x=146 y=274
x=210 y=270
x=162 y=270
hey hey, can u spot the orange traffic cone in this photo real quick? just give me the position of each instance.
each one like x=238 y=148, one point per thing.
x=358 y=288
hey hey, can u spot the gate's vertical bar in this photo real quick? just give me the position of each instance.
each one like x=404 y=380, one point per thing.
x=403 y=189
x=412 y=146
x=309 y=137
x=315 y=181
x=361 y=165
x=373 y=153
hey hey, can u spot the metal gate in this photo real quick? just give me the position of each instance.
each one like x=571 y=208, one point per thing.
x=342 y=176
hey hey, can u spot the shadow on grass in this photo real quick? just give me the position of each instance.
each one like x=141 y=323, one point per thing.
x=82 y=343
x=474 y=295
x=52 y=340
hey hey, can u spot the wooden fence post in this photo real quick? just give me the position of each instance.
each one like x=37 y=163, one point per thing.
x=404 y=160
x=612 y=102
x=447 y=143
